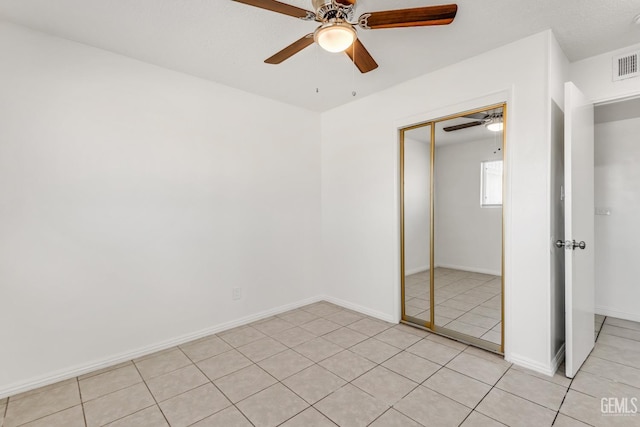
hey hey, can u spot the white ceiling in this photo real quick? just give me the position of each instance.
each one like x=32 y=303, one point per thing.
x=225 y=41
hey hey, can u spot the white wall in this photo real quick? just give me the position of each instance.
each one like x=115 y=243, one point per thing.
x=617 y=188
x=360 y=207
x=594 y=77
x=468 y=236
x=133 y=200
x=417 y=189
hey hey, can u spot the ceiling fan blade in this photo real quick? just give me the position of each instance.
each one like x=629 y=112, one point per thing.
x=276 y=6
x=363 y=59
x=483 y=116
x=462 y=126
x=291 y=50
x=476 y=116
x=418 y=17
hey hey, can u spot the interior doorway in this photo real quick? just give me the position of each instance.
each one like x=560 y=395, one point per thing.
x=617 y=203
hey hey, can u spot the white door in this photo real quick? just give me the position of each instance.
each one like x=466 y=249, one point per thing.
x=579 y=228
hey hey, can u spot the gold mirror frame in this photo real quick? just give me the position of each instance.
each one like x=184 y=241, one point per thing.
x=430 y=325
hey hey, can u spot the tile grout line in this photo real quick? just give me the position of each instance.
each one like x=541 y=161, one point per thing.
x=483 y=397
x=562 y=403
x=391 y=408
x=465 y=312
x=47 y=415
x=619 y=381
x=411 y=391
x=620 y=327
x=114 y=391
x=571 y=380
x=531 y=401
x=152 y=396
x=84 y=415
x=39 y=390
x=217 y=388
x=4 y=413
x=617 y=362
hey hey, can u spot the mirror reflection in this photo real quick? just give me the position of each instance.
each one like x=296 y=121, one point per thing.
x=468 y=224
x=417 y=223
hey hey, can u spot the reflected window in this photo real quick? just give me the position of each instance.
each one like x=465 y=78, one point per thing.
x=491 y=179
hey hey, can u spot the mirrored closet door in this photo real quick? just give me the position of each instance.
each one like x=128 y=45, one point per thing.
x=452 y=225
x=415 y=153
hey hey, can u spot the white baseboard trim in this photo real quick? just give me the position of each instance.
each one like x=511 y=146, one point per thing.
x=361 y=309
x=72 y=372
x=525 y=362
x=416 y=270
x=608 y=311
x=471 y=269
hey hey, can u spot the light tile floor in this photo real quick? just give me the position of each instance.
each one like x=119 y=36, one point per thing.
x=322 y=365
x=465 y=301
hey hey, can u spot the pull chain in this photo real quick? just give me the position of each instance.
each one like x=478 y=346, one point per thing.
x=353 y=70
x=317 y=68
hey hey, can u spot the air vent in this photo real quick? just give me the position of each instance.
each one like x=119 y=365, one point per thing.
x=625 y=66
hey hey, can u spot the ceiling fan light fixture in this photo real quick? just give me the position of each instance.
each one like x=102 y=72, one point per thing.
x=335 y=36
x=495 y=126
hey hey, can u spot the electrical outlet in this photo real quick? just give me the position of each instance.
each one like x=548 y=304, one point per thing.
x=236 y=293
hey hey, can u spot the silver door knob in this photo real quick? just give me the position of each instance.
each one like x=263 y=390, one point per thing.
x=570 y=244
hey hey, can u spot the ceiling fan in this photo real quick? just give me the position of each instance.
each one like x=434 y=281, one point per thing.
x=493 y=122
x=337 y=30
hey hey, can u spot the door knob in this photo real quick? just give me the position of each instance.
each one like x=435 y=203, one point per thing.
x=570 y=244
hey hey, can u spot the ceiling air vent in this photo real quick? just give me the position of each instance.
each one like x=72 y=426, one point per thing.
x=625 y=66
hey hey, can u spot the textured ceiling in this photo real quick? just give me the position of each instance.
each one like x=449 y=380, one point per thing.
x=226 y=42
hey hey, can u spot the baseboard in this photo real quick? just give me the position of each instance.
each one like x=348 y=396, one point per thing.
x=471 y=269
x=416 y=270
x=75 y=371
x=608 y=311
x=361 y=309
x=532 y=364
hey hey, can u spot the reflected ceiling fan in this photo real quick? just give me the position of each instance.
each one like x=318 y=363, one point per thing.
x=337 y=30
x=493 y=122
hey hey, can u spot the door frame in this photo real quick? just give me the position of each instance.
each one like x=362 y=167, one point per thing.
x=596 y=104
